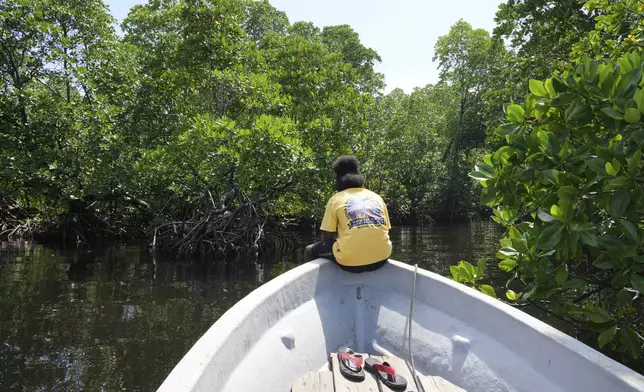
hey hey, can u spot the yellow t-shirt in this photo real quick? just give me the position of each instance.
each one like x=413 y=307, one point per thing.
x=361 y=220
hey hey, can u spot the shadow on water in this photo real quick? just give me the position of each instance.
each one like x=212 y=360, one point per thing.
x=115 y=318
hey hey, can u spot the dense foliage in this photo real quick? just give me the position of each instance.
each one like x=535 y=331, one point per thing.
x=567 y=183
x=207 y=120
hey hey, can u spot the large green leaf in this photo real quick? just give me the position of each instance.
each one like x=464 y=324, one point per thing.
x=468 y=272
x=567 y=191
x=632 y=115
x=488 y=290
x=516 y=113
x=550 y=236
x=619 y=203
x=480 y=267
x=639 y=99
x=637 y=281
x=629 y=338
x=612 y=170
x=578 y=114
x=559 y=85
x=624 y=298
x=604 y=263
x=629 y=83
x=557 y=212
x=613 y=113
x=598 y=315
x=545 y=217
x=481 y=176
x=561 y=276
x=631 y=230
x=598 y=165
x=488 y=196
x=511 y=295
x=507 y=265
x=589 y=238
x=607 y=336
x=537 y=88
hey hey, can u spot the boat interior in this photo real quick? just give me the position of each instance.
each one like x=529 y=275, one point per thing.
x=291 y=325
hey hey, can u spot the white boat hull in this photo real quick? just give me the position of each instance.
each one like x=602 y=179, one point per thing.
x=289 y=326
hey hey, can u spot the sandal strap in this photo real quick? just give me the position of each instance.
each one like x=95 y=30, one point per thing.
x=353 y=362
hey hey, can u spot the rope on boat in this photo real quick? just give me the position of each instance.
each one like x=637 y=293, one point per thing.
x=411 y=317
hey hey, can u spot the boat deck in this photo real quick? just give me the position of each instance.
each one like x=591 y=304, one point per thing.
x=333 y=381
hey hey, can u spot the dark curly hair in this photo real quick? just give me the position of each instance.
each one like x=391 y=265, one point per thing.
x=347 y=173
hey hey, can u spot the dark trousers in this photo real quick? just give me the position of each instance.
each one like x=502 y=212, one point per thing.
x=324 y=250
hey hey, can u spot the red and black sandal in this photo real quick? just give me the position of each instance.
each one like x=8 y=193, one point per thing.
x=350 y=364
x=386 y=374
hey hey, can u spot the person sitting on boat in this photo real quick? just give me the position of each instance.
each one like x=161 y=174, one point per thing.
x=355 y=227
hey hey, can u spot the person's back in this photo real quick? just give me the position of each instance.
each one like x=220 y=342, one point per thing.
x=358 y=218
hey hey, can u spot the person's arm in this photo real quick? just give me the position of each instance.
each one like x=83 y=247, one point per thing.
x=387 y=221
x=327 y=236
x=329 y=224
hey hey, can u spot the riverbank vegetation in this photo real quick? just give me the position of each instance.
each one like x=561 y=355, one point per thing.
x=206 y=125
x=567 y=181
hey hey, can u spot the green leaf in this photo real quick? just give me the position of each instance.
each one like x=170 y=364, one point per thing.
x=563 y=100
x=553 y=175
x=556 y=212
x=612 y=113
x=578 y=114
x=575 y=284
x=467 y=270
x=550 y=236
x=628 y=83
x=488 y=290
x=617 y=183
x=544 y=216
x=631 y=341
x=488 y=197
x=456 y=273
x=507 y=265
x=619 y=203
x=480 y=267
x=537 y=88
x=604 y=263
x=625 y=65
x=550 y=88
x=598 y=165
x=613 y=171
x=511 y=295
x=559 y=85
x=567 y=191
x=635 y=160
x=485 y=169
x=597 y=315
x=520 y=244
x=624 y=298
x=516 y=113
x=589 y=238
x=632 y=115
x=507 y=251
x=507 y=129
x=637 y=281
x=561 y=276
x=477 y=175
x=607 y=336
x=629 y=228
x=639 y=99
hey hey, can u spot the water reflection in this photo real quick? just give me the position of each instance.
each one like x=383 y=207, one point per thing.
x=115 y=318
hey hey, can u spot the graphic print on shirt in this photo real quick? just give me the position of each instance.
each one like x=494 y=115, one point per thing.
x=364 y=211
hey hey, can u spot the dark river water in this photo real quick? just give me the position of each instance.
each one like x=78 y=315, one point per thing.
x=118 y=319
